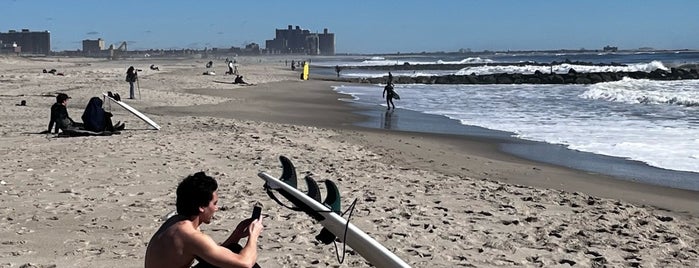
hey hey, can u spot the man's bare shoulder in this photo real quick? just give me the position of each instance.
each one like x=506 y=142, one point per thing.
x=174 y=244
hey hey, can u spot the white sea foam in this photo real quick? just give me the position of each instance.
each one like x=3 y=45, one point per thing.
x=576 y=116
x=560 y=68
x=358 y=73
x=381 y=61
x=634 y=91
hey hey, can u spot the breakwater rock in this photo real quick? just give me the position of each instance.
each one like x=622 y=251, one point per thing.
x=572 y=77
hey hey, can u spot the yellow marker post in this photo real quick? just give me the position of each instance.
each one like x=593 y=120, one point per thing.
x=305 y=71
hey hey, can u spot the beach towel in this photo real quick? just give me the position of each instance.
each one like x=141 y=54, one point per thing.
x=83 y=132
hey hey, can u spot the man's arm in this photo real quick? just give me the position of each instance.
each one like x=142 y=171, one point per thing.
x=54 y=117
x=205 y=248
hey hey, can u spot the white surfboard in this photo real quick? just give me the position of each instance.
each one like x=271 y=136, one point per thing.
x=133 y=111
x=367 y=247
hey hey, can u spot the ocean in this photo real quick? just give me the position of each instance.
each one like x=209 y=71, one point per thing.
x=631 y=121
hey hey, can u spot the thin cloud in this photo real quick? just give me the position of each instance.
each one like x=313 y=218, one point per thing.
x=92 y=33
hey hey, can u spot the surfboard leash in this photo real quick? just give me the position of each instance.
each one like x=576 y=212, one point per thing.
x=344 y=236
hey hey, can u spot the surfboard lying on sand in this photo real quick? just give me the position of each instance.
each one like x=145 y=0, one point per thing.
x=133 y=111
x=327 y=214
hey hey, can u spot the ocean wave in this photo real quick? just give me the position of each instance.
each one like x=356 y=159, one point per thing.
x=379 y=61
x=644 y=91
x=561 y=68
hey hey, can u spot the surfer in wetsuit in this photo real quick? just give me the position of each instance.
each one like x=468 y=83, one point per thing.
x=59 y=115
x=388 y=93
x=179 y=241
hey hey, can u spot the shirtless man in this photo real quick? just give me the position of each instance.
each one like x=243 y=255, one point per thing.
x=179 y=241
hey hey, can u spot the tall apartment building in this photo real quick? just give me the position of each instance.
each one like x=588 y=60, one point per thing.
x=297 y=40
x=93 y=46
x=29 y=42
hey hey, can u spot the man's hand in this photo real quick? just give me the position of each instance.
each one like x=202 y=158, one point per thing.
x=255 y=228
x=241 y=230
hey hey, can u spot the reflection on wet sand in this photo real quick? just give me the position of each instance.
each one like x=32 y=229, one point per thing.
x=388 y=121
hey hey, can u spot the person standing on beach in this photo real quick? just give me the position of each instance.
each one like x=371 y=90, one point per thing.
x=179 y=240
x=390 y=78
x=388 y=93
x=230 y=67
x=131 y=77
x=338 y=69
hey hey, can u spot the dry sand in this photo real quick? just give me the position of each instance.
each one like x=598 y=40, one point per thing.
x=435 y=200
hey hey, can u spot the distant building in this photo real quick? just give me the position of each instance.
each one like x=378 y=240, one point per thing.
x=93 y=46
x=326 y=43
x=29 y=42
x=290 y=40
x=610 y=49
x=9 y=48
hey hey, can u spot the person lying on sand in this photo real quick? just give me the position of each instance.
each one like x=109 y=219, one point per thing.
x=179 y=241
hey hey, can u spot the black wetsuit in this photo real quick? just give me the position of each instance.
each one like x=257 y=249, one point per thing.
x=59 y=117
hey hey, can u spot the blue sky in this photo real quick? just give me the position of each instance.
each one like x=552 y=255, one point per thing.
x=365 y=26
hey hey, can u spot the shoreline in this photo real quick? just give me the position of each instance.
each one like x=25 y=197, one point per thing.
x=314 y=103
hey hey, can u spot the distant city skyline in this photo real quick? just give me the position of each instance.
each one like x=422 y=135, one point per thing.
x=365 y=26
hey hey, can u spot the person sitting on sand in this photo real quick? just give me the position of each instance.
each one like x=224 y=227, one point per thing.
x=154 y=68
x=179 y=241
x=239 y=80
x=97 y=120
x=388 y=93
x=59 y=115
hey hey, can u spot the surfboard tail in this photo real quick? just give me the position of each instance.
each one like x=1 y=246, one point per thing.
x=328 y=214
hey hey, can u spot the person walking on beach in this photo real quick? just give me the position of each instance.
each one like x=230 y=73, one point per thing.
x=388 y=93
x=230 y=67
x=131 y=77
x=179 y=241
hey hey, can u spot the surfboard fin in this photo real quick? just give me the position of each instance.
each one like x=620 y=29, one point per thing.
x=313 y=190
x=289 y=172
x=332 y=199
x=325 y=236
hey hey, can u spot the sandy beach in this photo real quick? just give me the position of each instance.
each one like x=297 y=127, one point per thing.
x=434 y=200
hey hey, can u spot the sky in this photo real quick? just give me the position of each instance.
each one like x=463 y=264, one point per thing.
x=364 y=26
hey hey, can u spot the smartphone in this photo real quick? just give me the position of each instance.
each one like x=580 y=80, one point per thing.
x=256 y=212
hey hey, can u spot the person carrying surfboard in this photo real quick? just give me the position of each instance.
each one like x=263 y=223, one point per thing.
x=179 y=240
x=389 y=94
